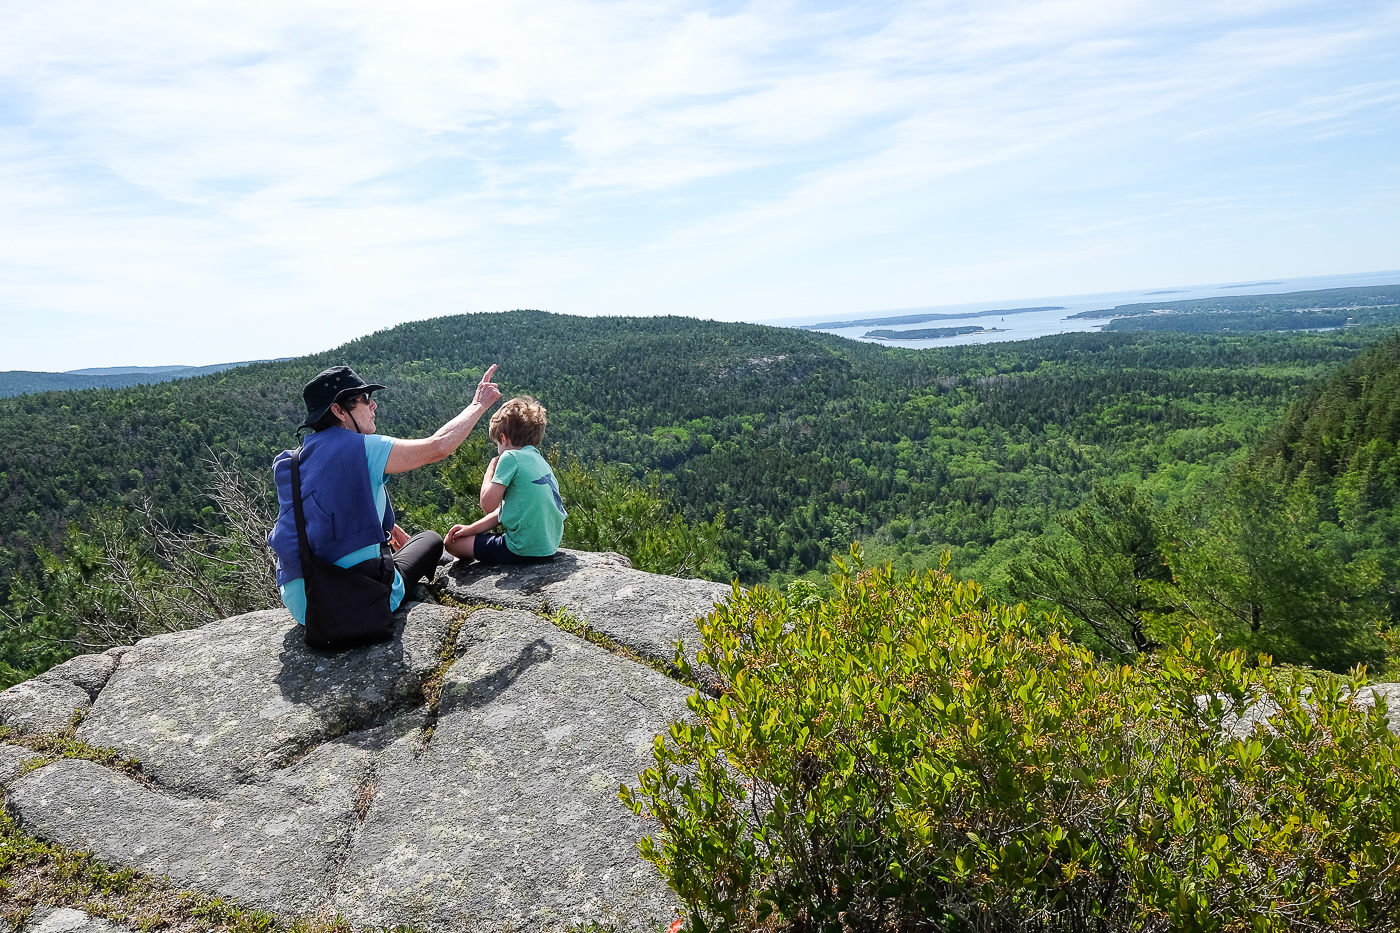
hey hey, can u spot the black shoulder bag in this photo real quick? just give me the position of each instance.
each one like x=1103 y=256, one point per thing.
x=345 y=606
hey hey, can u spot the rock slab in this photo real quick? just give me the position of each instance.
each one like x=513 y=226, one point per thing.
x=274 y=845
x=307 y=783
x=1242 y=725
x=645 y=612
x=54 y=700
x=13 y=759
x=210 y=709
x=509 y=818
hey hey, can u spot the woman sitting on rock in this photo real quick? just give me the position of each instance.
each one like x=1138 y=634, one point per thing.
x=343 y=465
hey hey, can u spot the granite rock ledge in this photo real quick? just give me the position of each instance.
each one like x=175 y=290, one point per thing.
x=312 y=783
x=645 y=612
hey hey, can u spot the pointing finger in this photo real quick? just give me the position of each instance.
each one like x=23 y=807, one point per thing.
x=489 y=373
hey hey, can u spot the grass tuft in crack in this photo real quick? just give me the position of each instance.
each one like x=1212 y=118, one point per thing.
x=55 y=746
x=363 y=799
x=432 y=685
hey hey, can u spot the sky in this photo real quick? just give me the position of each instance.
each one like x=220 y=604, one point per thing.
x=199 y=182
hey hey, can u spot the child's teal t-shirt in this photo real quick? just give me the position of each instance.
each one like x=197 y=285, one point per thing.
x=532 y=511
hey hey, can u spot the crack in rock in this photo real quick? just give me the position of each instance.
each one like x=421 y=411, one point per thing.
x=53 y=700
x=244 y=698
x=510 y=818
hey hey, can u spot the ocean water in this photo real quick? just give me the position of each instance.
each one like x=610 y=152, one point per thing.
x=1029 y=325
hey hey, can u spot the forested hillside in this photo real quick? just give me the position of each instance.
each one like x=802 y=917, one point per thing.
x=803 y=441
x=1341 y=443
x=1349 y=423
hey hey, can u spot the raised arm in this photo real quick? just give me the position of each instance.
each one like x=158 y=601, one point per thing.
x=411 y=454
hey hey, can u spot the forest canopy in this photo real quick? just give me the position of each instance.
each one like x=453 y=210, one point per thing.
x=783 y=445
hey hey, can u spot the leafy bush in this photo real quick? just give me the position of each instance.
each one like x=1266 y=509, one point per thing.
x=909 y=755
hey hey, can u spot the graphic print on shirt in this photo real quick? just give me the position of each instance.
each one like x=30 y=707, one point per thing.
x=548 y=480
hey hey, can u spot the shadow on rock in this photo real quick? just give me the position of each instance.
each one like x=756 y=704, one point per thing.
x=474 y=694
x=377 y=679
x=525 y=579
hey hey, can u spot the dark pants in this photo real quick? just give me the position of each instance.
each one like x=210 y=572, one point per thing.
x=419 y=557
x=491 y=549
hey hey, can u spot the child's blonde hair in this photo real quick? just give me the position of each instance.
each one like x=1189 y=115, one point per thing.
x=521 y=419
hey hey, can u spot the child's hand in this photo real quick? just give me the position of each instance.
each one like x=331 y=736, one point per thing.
x=455 y=532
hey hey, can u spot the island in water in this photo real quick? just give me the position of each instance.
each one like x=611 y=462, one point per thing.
x=932 y=333
x=921 y=318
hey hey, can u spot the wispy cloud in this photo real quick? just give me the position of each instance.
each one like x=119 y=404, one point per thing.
x=229 y=181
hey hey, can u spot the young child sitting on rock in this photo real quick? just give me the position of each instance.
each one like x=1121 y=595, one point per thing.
x=518 y=492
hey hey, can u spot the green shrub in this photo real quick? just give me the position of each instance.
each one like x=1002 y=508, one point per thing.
x=911 y=756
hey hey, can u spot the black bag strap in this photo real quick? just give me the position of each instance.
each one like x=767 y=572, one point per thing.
x=303 y=546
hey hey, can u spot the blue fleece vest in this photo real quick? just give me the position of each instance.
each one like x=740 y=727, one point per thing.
x=336 y=497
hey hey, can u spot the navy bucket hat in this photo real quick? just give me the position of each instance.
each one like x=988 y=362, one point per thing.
x=331 y=386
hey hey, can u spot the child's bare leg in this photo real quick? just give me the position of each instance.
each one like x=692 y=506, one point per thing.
x=459 y=545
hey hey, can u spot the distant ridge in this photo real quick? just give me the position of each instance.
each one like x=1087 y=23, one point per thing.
x=120 y=370
x=21 y=382
x=921 y=318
